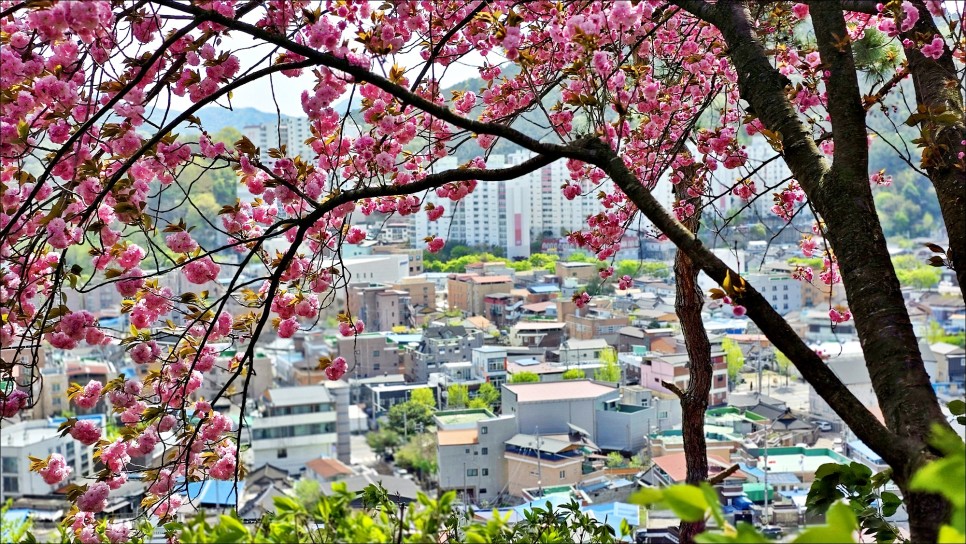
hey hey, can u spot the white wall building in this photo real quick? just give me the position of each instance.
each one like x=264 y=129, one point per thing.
x=38 y=438
x=387 y=268
x=783 y=292
x=294 y=425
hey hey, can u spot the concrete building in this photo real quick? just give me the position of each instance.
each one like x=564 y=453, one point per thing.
x=551 y=408
x=545 y=334
x=422 y=293
x=370 y=354
x=294 y=425
x=439 y=345
x=848 y=365
x=950 y=363
x=415 y=256
x=489 y=364
x=470 y=445
x=783 y=292
x=467 y=292
x=583 y=272
x=388 y=269
x=380 y=306
x=652 y=368
x=38 y=438
x=596 y=324
x=540 y=462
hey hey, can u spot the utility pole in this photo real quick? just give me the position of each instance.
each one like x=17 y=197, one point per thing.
x=765 y=512
x=539 y=465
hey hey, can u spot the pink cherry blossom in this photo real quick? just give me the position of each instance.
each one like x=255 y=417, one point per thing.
x=86 y=432
x=935 y=48
x=56 y=470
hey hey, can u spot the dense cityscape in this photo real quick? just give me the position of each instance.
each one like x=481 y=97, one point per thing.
x=487 y=271
x=487 y=378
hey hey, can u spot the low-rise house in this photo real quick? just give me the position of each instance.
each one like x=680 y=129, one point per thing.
x=672 y=469
x=466 y=292
x=950 y=363
x=294 y=425
x=469 y=449
x=439 y=345
x=370 y=354
x=545 y=334
x=38 y=438
x=327 y=469
x=539 y=462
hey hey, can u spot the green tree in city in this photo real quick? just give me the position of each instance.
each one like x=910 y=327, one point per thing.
x=611 y=371
x=384 y=440
x=783 y=364
x=419 y=455
x=308 y=492
x=734 y=357
x=574 y=374
x=457 y=396
x=524 y=377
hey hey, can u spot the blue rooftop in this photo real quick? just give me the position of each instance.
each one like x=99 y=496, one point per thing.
x=865 y=451
x=214 y=492
x=612 y=513
x=543 y=288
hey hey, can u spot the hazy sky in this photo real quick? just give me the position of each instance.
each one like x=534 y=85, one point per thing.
x=288 y=91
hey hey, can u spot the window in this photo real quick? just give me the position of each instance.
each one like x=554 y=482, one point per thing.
x=563 y=474
x=486 y=472
x=472 y=472
x=482 y=491
x=282 y=453
x=11 y=464
x=486 y=451
x=467 y=450
x=375 y=353
x=11 y=484
x=483 y=429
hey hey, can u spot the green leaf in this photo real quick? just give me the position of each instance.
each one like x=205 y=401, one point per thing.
x=948 y=535
x=957 y=407
x=285 y=504
x=646 y=496
x=746 y=533
x=687 y=502
x=890 y=503
x=841 y=525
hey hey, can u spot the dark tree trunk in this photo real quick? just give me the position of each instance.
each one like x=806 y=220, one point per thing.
x=937 y=89
x=694 y=400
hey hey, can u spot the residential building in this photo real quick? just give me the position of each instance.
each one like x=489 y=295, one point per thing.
x=502 y=309
x=596 y=324
x=38 y=438
x=466 y=292
x=545 y=334
x=422 y=293
x=551 y=408
x=540 y=462
x=415 y=257
x=783 y=292
x=847 y=362
x=582 y=271
x=671 y=469
x=470 y=446
x=577 y=353
x=950 y=363
x=653 y=368
x=261 y=380
x=327 y=470
x=489 y=364
x=370 y=354
x=439 y=345
x=387 y=269
x=380 y=307
x=294 y=425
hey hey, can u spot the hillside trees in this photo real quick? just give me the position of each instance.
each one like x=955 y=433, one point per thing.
x=82 y=166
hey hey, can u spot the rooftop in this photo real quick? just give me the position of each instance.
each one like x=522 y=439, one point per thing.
x=292 y=396
x=457 y=437
x=675 y=466
x=539 y=325
x=458 y=417
x=550 y=391
x=327 y=467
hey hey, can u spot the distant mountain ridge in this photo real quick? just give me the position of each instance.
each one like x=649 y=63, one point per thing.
x=215 y=118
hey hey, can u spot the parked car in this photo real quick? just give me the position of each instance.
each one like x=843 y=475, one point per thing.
x=824 y=426
x=772 y=531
